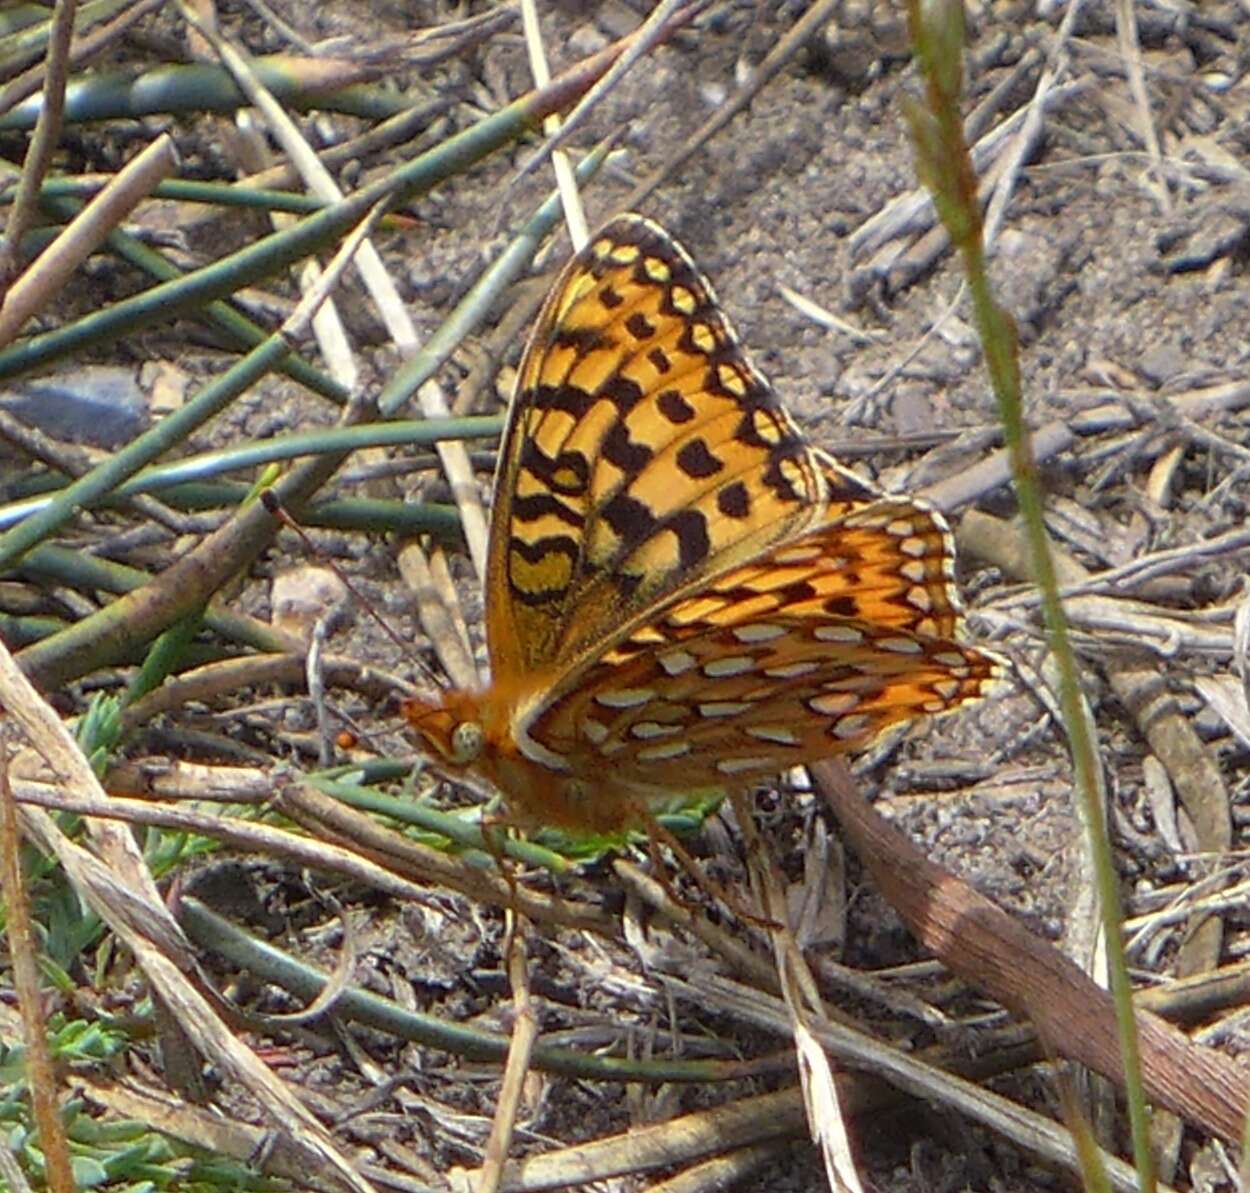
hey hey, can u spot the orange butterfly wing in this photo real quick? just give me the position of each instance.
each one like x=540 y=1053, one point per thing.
x=643 y=452
x=809 y=651
x=681 y=593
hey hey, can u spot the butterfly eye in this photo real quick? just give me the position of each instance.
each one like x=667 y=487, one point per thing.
x=467 y=740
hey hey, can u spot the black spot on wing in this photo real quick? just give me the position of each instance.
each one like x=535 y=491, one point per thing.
x=567 y=474
x=639 y=326
x=777 y=478
x=551 y=544
x=540 y=505
x=619 y=449
x=630 y=519
x=696 y=460
x=674 y=407
x=623 y=393
x=781 y=436
x=795 y=593
x=581 y=340
x=734 y=501
x=659 y=360
x=571 y=399
x=693 y=544
x=798 y=592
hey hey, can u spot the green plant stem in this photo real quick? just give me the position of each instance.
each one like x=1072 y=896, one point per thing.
x=210 y=930
x=20 y=16
x=190 y=190
x=368 y=515
x=23 y=47
x=300 y=83
x=191 y=471
x=88 y=573
x=50 y=346
x=112 y=633
x=463 y=832
x=89 y=489
x=473 y=308
x=945 y=166
x=311 y=234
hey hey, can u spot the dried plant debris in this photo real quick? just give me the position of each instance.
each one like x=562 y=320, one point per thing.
x=302 y=959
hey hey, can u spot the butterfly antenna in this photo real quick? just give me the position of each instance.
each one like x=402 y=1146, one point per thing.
x=270 y=500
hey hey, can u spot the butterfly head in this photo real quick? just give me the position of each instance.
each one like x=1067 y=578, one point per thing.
x=450 y=728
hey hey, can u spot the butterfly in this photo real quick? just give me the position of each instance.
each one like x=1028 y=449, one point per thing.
x=683 y=595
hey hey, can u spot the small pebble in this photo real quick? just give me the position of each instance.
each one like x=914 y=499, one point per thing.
x=99 y=405
x=302 y=596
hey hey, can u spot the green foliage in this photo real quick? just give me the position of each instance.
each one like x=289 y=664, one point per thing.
x=73 y=1041
x=99 y=730
x=122 y=1155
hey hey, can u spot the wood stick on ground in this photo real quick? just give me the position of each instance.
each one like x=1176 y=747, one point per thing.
x=985 y=946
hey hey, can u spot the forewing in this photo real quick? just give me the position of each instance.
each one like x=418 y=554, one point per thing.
x=643 y=453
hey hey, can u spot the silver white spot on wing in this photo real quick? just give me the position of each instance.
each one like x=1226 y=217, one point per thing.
x=841 y=634
x=908 y=646
x=833 y=704
x=777 y=735
x=791 y=670
x=848 y=727
x=676 y=662
x=672 y=749
x=723 y=668
x=647 y=730
x=758 y=632
x=738 y=766
x=625 y=697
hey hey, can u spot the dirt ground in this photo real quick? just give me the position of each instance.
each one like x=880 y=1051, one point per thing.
x=1121 y=253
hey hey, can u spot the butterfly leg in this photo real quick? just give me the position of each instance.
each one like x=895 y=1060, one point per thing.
x=797 y=981
x=493 y=828
x=658 y=835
